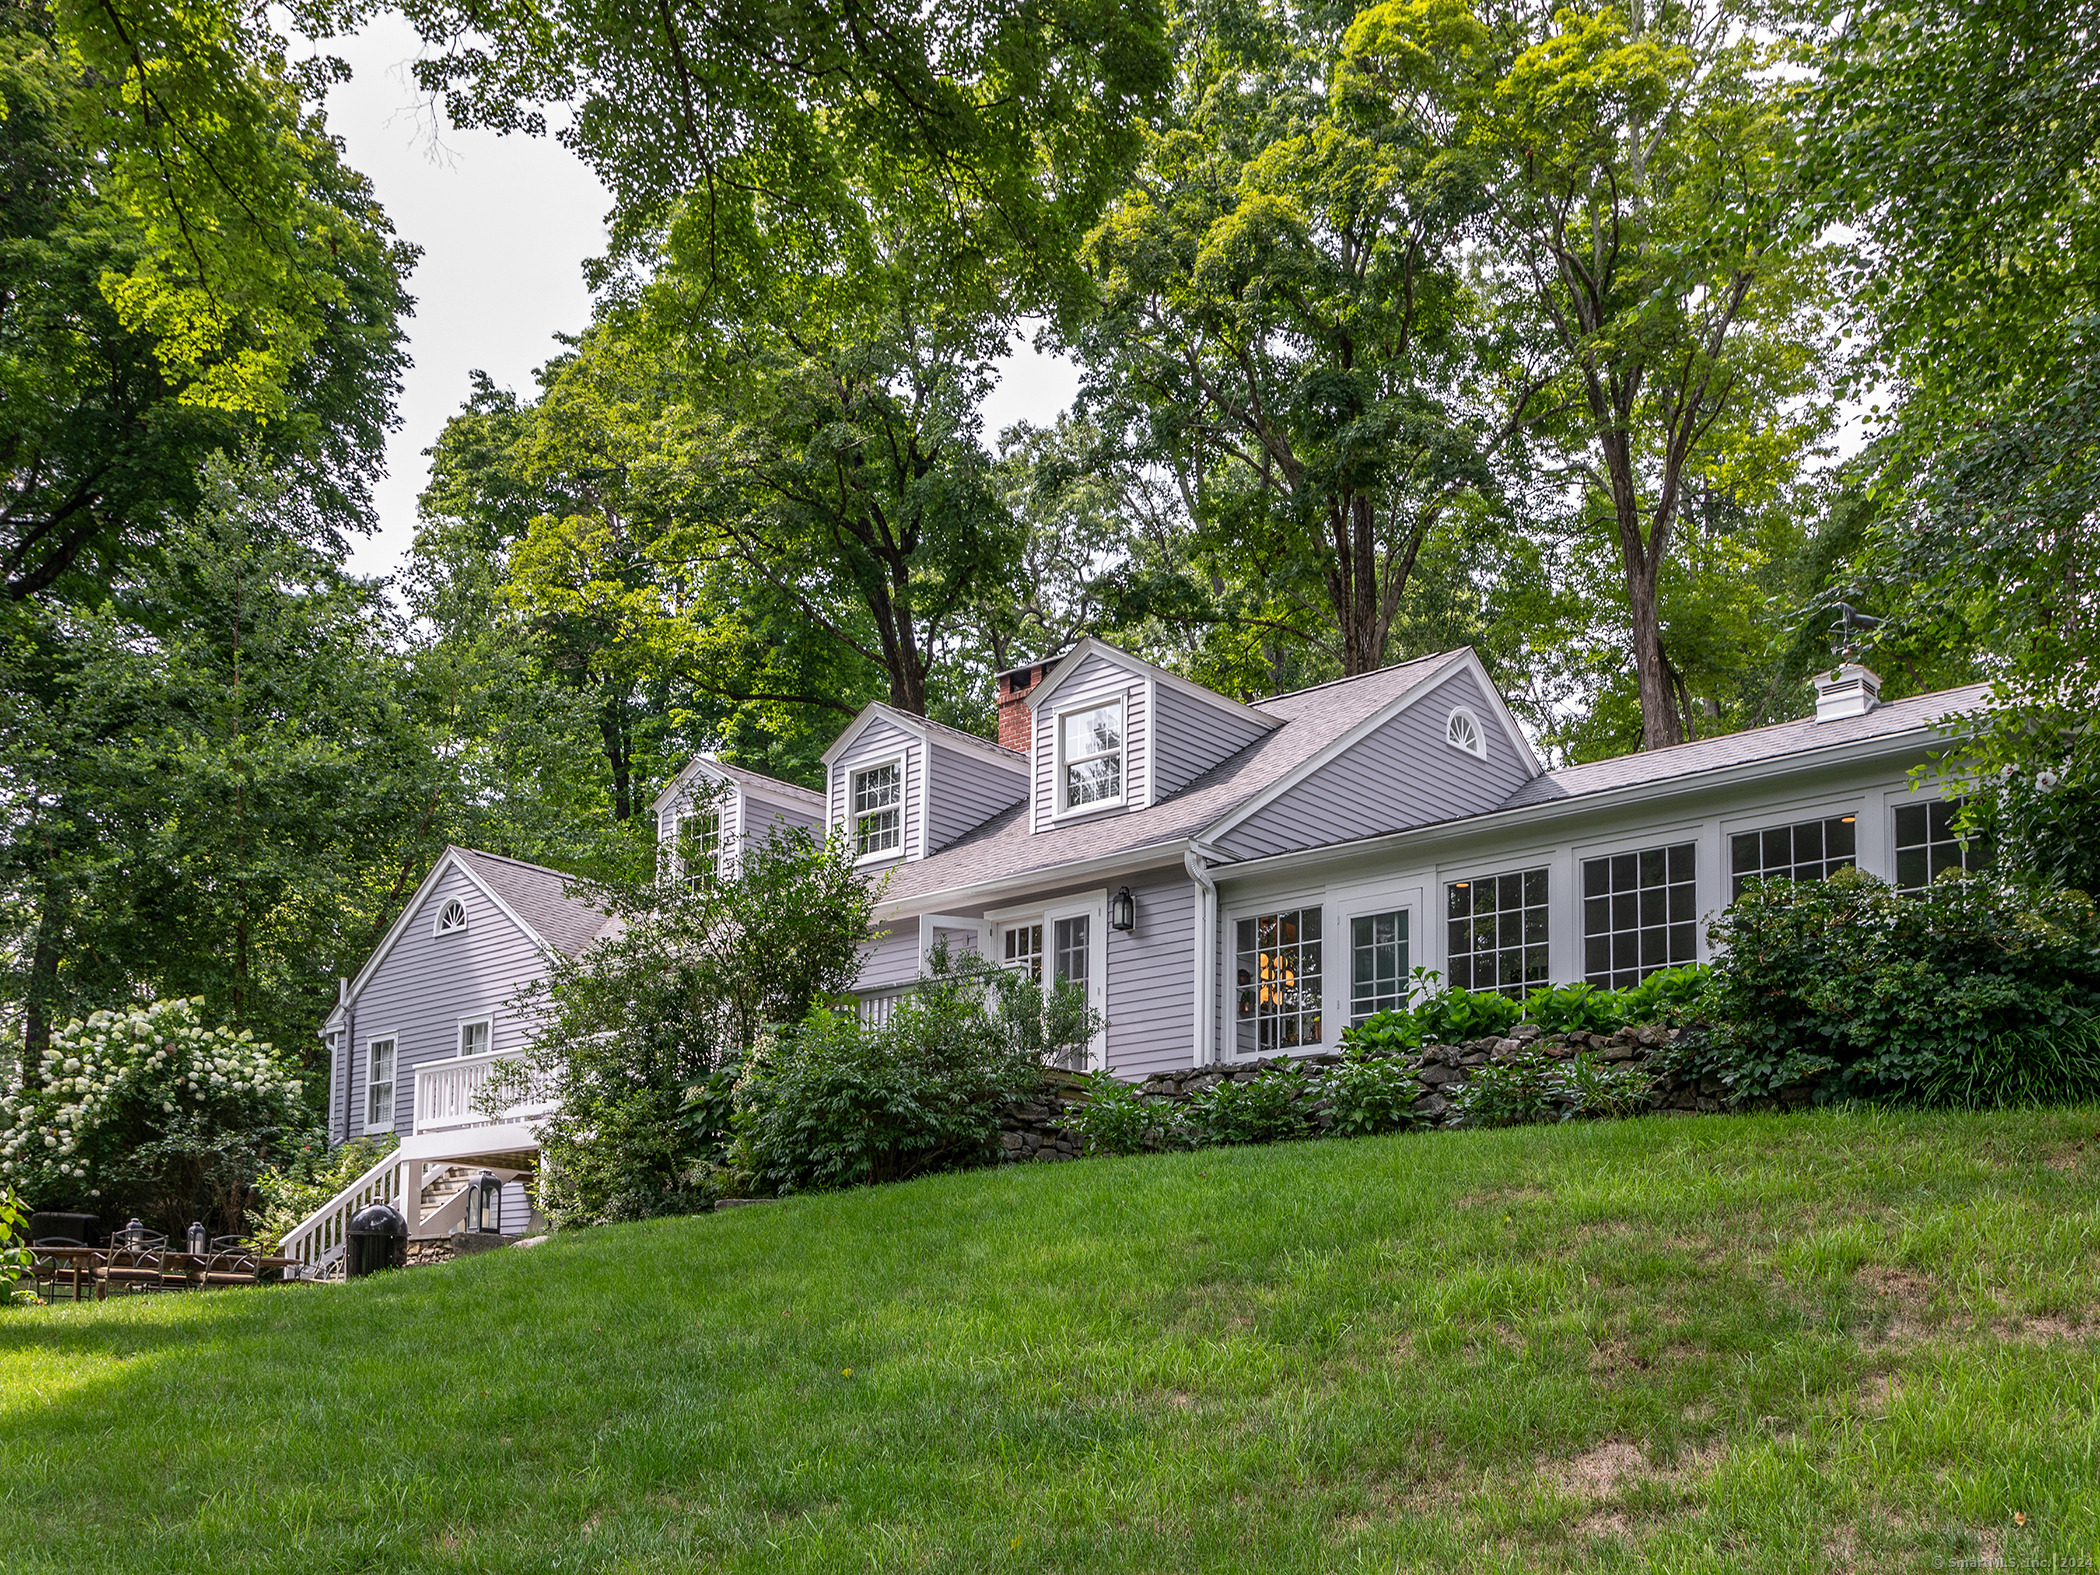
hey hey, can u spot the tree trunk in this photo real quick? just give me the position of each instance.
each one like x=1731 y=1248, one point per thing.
x=43 y=982
x=612 y=728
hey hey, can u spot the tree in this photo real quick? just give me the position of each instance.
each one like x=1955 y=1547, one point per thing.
x=1648 y=212
x=1284 y=306
x=186 y=270
x=1961 y=142
x=213 y=777
x=633 y=1032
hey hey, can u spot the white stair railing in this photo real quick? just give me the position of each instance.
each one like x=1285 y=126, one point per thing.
x=317 y=1242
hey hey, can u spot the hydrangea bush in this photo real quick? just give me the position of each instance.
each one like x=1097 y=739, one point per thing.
x=149 y=1112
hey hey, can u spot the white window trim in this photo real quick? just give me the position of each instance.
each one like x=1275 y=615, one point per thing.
x=438 y=927
x=1094 y=906
x=1333 y=986
x=852 y=824
x=1478 y=748
x=393 y=1044
x=695 y=812
x=1059 y=809
x=459 y=1035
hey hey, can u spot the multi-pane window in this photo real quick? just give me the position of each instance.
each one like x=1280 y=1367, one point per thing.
x=1278 y=981
x=699 y=846
x=1377 y=963
x=1071 y=942
x=1024 y=949
x=1809 y=850
x=1498 y=932
x=1927 y=843
x=379 y=1085
x=1090 y=746
x=474 y=1037
x=878 y=810
x=1639 y=913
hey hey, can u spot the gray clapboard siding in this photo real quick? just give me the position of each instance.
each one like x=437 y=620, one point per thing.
x=964 y=790
x=760 y=817
x=1096 y=680
x=891 y=960
x=880 y=741
x=704 y=792
x=1400 y=775
x=1191 y=737
x=428 y=982
x=1151 y=987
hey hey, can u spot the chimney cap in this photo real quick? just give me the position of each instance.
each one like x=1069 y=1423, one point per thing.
x=1028 y=667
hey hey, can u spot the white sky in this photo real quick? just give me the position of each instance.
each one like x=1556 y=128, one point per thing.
x=505 y=224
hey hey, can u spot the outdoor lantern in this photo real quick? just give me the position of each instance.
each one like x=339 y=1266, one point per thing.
x=1122 y=911
x=197 y=1242
x=485 y=1204
x=135 y=1237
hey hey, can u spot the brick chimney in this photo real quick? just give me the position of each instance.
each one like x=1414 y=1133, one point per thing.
x=1016 y=721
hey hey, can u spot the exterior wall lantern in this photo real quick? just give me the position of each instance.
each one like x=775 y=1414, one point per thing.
x=1122 y=911
x=484 y=1205
x=197 y=1241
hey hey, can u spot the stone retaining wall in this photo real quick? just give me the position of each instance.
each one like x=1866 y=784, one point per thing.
x=1040 y=1129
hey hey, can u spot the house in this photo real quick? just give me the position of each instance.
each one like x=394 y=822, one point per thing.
x=1227 y=879
x=412 y=1038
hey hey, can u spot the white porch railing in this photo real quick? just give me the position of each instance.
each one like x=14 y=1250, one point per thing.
x=317 y=1242
x=446 y=1092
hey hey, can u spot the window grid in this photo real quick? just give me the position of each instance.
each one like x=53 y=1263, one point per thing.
x=1092 y=742
x=1807 y=850
x=1072 y=943
x=878 y=810
x=1498 y=933
x=1024 y=949
x=1278 y=985
x=1377 y=964
x=379 y=1084
x=1639 y=914
x=1927 y=844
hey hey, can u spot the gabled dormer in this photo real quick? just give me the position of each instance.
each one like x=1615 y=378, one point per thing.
x=711 y=810
x=901 y=787
x=1113 y=733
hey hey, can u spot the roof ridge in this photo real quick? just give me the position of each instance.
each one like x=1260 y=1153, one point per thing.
x=523 y=864
x=1357 y=678
x=1750 y=732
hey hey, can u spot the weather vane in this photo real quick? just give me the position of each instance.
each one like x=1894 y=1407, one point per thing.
x=1846 y=631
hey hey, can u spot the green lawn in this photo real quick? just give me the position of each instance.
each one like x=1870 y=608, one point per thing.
x=1788 y=1344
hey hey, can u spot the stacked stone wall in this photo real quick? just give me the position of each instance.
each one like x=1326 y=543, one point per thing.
x=1041 y=1129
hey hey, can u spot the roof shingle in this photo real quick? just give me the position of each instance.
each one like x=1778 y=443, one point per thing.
x=540 y=897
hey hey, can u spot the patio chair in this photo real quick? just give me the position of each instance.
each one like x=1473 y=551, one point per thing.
x=135 y=1270
x=49 y=1272
x=234 y=1265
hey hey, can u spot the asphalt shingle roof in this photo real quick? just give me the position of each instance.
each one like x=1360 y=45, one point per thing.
x=766 y=784
x=1679 y=761
x=1313 y=718
x=540 y=897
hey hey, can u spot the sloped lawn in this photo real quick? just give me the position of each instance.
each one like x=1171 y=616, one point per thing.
x=1786 y=1344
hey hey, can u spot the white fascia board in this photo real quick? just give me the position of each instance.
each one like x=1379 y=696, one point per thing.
x=1858 y=752
x=1334 y=749
x=873 y=711
x=1138 y=667
x=450 y=859
x=1050 y=876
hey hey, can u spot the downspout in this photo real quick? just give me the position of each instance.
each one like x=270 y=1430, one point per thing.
x=1194 y=860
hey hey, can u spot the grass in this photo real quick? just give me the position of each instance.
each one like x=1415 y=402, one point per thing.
x=1822 y=1342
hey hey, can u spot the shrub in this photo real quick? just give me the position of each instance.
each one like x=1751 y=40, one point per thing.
x=836 y=1102
x=17 y=1262
x=1117 y=1119
x=1366 y=1096
x=286 y=1194
x=1982 y=991
x=1590 y=1087
x=1264 y=1109
x=1511 y=1093
x=640 y=1035
x=149 y=1113
x=1452 y=1016
x=1576 y=1008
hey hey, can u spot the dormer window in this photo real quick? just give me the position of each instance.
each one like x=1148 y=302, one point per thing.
x=452 y=916
x=878 y=810
x=1462 y=731
x=699 y=846
x=1090 y=757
